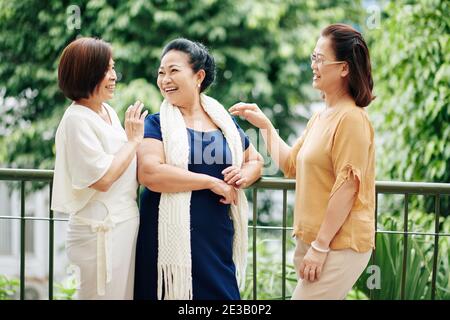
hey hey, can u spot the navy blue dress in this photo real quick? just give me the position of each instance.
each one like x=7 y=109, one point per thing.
x=213 y=270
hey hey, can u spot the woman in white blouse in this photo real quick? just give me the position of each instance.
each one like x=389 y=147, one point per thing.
x=95 y=172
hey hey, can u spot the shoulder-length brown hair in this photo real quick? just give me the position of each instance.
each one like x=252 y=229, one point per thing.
x=83 y=65
x=349 y=45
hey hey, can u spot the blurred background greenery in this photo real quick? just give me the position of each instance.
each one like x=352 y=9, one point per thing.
x=262 y=51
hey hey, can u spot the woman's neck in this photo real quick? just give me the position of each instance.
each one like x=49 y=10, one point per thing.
x=192 y=108
x=93 y=104
x=191 y=111
x=338 y=98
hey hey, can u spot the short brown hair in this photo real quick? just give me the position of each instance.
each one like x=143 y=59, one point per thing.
x=349 y=45
x=82 y=67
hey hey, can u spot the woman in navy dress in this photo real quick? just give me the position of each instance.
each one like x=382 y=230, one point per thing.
x=186 y=70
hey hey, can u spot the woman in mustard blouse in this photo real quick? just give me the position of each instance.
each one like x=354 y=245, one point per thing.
x=333 y=163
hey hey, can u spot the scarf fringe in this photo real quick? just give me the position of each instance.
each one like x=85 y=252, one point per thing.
x=174 y=282
x=240 y=243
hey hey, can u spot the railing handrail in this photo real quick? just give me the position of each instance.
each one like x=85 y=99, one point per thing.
x=264 y=182
x=25 y=174
x=381 y=186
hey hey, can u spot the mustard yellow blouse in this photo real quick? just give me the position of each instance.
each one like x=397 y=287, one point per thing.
x=332 y=148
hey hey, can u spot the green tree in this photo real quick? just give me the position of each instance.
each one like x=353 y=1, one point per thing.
x=261 y=49
x=411 y=63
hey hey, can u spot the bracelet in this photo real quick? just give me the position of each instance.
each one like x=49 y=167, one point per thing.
x=315 y=247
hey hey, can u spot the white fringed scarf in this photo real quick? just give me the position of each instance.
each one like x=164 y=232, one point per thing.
x=174 y=237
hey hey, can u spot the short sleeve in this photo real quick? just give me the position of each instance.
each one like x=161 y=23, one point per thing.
x=350 y=150
x=244 y=138
x=291 y=162
x=152 y=127
x=87 y=160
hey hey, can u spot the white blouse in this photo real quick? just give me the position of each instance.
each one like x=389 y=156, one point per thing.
x=85 y=148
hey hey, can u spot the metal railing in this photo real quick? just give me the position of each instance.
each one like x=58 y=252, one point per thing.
x=23 y=176
x=382 y=187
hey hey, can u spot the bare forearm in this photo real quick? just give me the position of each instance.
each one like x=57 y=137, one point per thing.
x=277 y=148
x=167 y=178
x=120 y=163
x=252 y=170
x=338 y=209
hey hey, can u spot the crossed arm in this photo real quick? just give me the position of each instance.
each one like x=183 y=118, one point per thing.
x=155 y=174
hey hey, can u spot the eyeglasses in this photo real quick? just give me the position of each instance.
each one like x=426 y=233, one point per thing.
x=321 y=61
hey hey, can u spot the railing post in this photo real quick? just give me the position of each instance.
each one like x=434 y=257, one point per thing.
x=283 y=262
x=22 y=240
x=375 y=240
x=436 y=246
x=255 y=218
x=405 y=247
x=50 y=246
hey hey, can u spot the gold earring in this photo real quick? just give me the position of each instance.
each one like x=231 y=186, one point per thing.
x=198 y=85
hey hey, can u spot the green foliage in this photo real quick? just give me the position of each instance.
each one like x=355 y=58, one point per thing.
x=261 y=48
x=356 y=294
x=269 y=275
x=67 y=289
x=419 y=260
x=411 y=114
x=411 y=63
x=127 y=96
x=8 y=287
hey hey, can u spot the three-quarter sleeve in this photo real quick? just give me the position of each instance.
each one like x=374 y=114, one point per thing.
x=87 y=160
x=291 y=162
x=350 y=152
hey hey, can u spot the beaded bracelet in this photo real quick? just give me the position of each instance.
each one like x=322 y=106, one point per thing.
x=315 y=247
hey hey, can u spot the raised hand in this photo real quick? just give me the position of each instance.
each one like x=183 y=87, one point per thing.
x=134 y=122
x=252 y=113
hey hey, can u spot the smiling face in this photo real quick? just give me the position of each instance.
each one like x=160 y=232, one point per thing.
x=327 y=77
x=176 y=79
x=105 y=89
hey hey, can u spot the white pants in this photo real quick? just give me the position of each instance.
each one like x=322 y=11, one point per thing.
x=341 y=270
x=104 y=251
